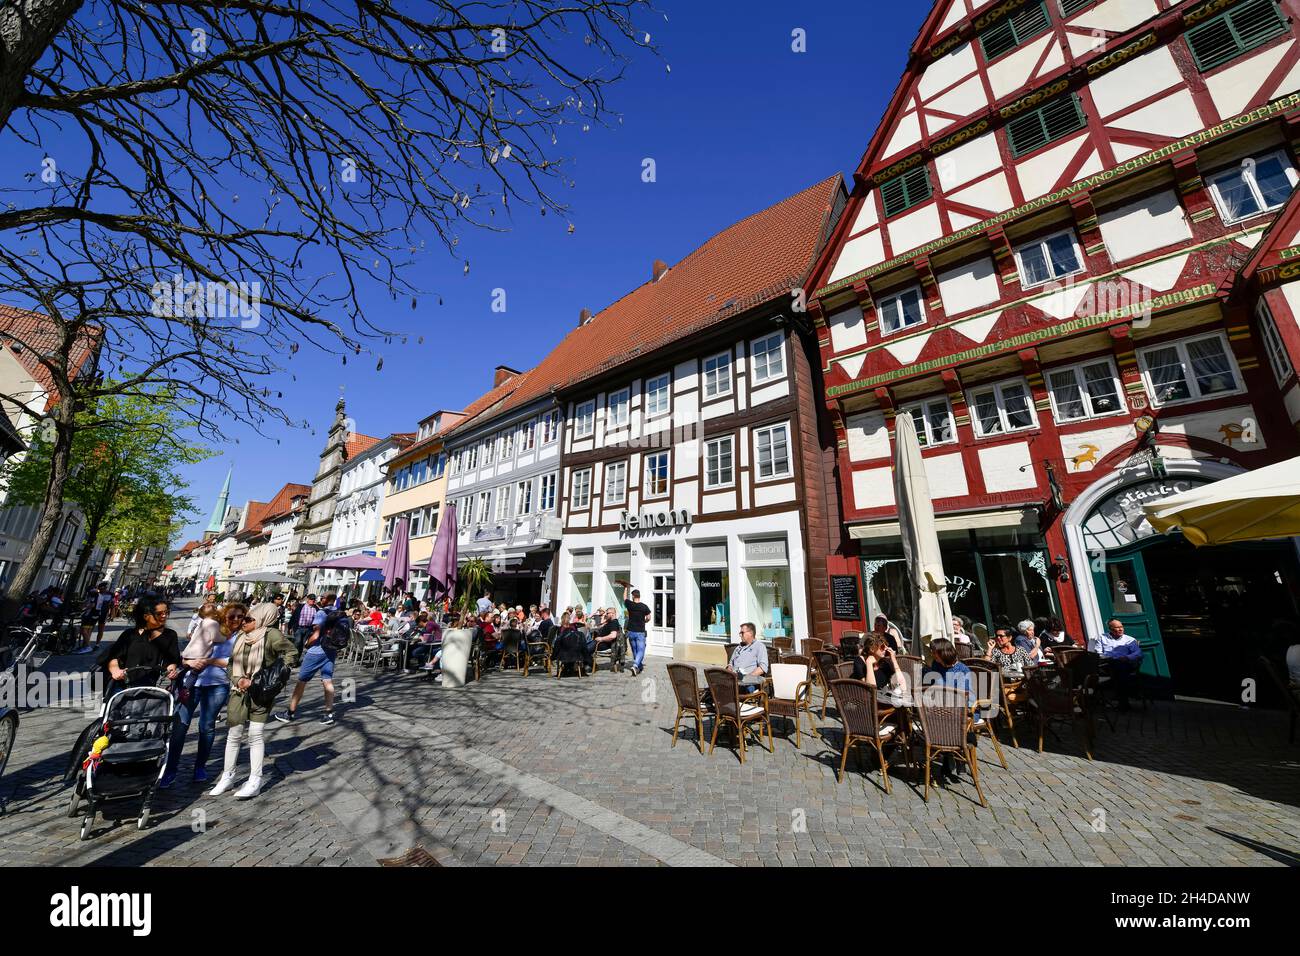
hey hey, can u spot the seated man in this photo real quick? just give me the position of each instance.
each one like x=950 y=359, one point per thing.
x=605 y=636
x=1121 y=656
x=749 y=660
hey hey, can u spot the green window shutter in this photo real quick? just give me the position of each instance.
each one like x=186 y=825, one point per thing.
x=1239 y=30
x=1070 y=7
x=1015 y=30
x=1056 y=120
x=905 y=191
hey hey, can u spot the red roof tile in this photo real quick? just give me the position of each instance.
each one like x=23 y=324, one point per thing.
x=357 y=444
x=757 y=260
x=489 y=403
x=281 y=503
x=34 y=333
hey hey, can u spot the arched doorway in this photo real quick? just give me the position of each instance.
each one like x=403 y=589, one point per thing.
x=1203 y=615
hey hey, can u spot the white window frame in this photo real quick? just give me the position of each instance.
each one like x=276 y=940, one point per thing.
x=489 y=451
x=897 y=297
x=527 y=436
x=758 y=349
x=925 y=404
x=507 y=445
x=619 y=468
x=1076 y=370
x=766 y=431
x=1000 y=402
x=584 y=419
x=546 y=492
x=709 y=446
x=647 y=491
x=1192 y=385
x=667 y=379
x=524 y=497
x=721 y=375
x=1278 y=359
x=1211 y=180
x=550 y=427
x=1042 y=242
x=618 y=408
x=483 y=507
x=583 y=502
x=502 y=511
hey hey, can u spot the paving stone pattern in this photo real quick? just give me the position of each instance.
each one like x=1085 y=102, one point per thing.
x=535 y=770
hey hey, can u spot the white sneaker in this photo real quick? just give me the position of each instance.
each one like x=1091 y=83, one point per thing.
x=251 y=788
x=225 y=783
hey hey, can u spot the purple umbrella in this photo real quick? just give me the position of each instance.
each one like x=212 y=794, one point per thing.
x=442 y=563
x=397 y=563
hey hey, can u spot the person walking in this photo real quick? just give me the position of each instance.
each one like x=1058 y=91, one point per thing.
x=638 y=616
x=210 y=690
x=256 y=645
x=305 y=621
x=330 y=634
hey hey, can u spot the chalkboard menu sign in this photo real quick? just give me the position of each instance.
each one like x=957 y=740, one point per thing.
x=846 y=600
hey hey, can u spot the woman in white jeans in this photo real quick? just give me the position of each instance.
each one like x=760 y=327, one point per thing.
x=259 y=644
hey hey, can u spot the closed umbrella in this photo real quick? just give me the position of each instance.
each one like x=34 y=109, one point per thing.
x=397 y=563
x=1255 y=506
x=442 y=563
x=931 y=614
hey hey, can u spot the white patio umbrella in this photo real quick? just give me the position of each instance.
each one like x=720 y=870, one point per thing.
x=931 y=614
x=1253 y=506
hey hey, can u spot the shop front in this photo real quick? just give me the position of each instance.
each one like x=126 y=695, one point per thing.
x=1202 y=615
x=998 y=569
x=701 y=580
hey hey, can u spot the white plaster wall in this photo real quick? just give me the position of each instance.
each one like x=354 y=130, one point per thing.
x=873 y=488
x=969 y=286
x=1001 y=466
x=1149 y=223
x=868 y=436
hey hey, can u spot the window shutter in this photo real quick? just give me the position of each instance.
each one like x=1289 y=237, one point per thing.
x=1014 y=30
x=1070 y=7
x=1057 y=119
x=905 y=191
x=1244 y=27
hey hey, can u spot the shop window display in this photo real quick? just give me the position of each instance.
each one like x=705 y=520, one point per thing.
x=713 y=590
x=769 y=601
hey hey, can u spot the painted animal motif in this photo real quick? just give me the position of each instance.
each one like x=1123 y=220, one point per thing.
x=1087 y=456
x=1230 y=432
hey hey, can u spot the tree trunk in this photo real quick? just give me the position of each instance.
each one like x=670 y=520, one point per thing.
x=75 y=585
x=52 y=509
x=27 y=28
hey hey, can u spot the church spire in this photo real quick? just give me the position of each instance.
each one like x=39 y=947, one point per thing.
x=219 y=509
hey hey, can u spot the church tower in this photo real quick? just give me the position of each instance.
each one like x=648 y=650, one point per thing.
x=218 y=519
x=312 y=533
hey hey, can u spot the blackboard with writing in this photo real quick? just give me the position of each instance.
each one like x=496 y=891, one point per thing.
x=846 y=600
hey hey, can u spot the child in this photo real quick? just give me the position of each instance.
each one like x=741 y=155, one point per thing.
x=205 y=636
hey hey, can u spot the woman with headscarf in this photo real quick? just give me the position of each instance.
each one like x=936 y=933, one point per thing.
x=257 y=646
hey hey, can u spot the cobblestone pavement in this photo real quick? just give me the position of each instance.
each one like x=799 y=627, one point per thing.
x=579 y=771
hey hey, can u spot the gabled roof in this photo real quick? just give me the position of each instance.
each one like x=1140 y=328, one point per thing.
x=282 y=503
x=358 y=443
x=489 y=403
x=1283 y=234
x=759 y=259
x=33 y=333
x=412 y=449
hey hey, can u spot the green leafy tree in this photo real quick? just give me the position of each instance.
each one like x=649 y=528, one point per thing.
x=475 y=580
x=126 y=452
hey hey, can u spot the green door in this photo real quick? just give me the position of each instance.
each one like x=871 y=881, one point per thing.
x=1125 y=593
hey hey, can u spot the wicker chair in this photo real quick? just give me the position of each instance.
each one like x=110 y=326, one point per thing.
x=570 y=650
x=1290 y=694
x=512 y=646
x=783 y=646
x=946 y=725
x=810 y=646
x=856 y=701
x=792 y=682
x=686 y=689
x=729 y=708
x=850 y=645
x=1008 y=704
x=913 y=669
x=613 y=651
x=830 y=668
x=1062 y=701
x=536 y=649
x=988 y=688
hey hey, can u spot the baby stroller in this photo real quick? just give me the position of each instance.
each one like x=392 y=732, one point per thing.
x=137 y=724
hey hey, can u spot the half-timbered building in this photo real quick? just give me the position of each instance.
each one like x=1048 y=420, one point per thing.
x=1043 y=262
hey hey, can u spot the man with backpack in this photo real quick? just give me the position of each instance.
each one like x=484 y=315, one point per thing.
x=331 y=632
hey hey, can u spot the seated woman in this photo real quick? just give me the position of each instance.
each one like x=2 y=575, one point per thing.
x=878 y=665
x=1006 y=653
x=1052 y=634
x=1028 y=640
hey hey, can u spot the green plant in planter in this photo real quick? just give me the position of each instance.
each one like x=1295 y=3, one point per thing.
x=475 y=579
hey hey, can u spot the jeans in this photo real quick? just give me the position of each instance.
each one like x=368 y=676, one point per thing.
x=208 y=701
x=637 y=640
x=300 y=635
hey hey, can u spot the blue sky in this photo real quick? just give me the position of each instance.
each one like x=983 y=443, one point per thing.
x=740 y=122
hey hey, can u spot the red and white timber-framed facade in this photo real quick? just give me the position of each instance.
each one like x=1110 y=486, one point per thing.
x=1048 y=246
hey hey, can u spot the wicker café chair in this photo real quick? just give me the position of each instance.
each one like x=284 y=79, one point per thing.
x=792 y=682
x=987 y=682
x=536 y=650
x=729 y=708
x=913 y=669
x=570 y=651
x=856 y=702
x=850 y=645
x=1064 y=657
x=686 y=689
x=946 y=725
x=811 y=645
x=512 y=646
x=1062 y=701
x=830 y=668
x=784 y=646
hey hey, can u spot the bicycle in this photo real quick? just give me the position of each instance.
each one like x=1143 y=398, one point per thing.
x=31 y=651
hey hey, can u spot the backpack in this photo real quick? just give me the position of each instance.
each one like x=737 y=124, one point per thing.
x=268 y=682
x=335 y=632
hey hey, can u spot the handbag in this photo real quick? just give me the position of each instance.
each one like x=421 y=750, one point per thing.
x=268 y=682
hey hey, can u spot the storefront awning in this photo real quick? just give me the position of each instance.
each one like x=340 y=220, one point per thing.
x=1022 y=519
